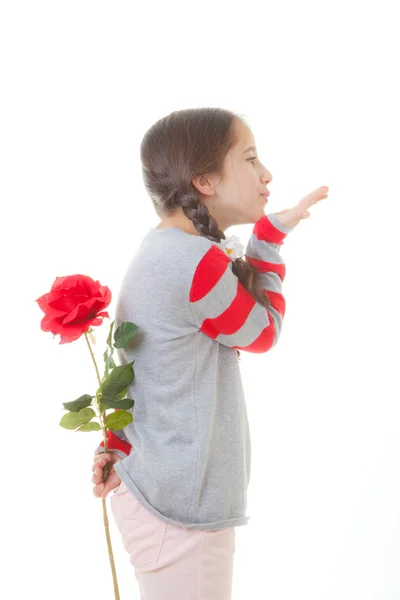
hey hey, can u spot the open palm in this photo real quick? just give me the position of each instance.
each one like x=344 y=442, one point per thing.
x=290 y=217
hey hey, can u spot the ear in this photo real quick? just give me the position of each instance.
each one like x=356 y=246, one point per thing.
x=205 y=184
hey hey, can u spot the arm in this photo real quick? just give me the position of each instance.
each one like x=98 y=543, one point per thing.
x=224 y=310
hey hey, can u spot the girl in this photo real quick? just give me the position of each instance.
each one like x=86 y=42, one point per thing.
x=181 y=469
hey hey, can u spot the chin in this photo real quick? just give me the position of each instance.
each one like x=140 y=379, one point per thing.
x=259 y=216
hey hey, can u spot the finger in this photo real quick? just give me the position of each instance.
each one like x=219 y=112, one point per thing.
x=106 y=490
x=317 y=193
x=98 y=490
x=97 y=476
x=100 y=459
x=102 y=489
x=310 y=200
x=101 y=455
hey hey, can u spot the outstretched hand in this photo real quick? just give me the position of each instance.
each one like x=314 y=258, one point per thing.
x=290 y=217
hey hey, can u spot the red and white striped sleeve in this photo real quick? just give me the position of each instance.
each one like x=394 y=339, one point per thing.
x=221 y=306
x=117 y=442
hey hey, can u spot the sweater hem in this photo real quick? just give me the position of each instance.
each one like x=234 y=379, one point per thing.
x=234 y=522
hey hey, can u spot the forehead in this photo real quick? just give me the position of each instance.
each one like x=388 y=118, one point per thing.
x=245 y=138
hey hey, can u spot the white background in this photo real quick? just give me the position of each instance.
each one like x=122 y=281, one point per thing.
x=318 y=84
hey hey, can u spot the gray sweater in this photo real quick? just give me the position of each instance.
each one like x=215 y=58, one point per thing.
x=187 y=456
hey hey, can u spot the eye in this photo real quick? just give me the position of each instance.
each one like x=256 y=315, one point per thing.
x=252 y=158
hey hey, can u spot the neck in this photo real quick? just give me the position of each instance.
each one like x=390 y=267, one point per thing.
x=180 y=220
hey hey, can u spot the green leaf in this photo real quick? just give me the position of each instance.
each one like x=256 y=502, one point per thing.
x=110 y=364
x=72 y=420
x=122 y=394
x=102 y=407
x=91 y=426
x=105 y=355
x=118 y=403
x=118 y=420
x=125 y=334
x=105 y=400
x=118 y=380
x=109 y=339
x=77 y=405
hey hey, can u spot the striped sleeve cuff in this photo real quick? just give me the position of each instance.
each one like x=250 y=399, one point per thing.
x=270 y=229
x=115 y=443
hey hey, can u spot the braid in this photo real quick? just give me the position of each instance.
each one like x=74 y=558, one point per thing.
x=201 y=218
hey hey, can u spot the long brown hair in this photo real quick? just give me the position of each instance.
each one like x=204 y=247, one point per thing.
x=183 y=145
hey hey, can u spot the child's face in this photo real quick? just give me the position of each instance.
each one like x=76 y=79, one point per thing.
x=235 y=198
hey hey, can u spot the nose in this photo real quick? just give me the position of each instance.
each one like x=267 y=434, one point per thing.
x=266 y=177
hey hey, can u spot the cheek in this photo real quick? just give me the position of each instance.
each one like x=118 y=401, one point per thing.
x=251 y=185
x=247 y=180
x=240 y=189
x=250 y=177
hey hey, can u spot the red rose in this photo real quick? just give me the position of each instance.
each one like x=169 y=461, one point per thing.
x=73 y=305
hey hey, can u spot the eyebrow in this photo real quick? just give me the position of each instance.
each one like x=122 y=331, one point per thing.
x=253 y=148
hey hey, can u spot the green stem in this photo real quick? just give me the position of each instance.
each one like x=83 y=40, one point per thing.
x=102 y=423
x=103 y=500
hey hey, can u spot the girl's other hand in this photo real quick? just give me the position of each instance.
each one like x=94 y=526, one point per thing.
x=101 y=489
x=290 y=217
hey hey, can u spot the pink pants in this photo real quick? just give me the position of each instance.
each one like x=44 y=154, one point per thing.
x=172 y=562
